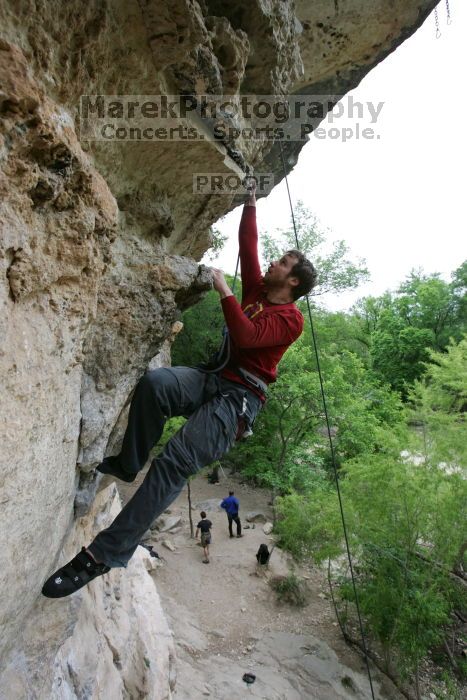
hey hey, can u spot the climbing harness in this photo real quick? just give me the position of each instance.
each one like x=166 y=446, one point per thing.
x=253 y=380
x=328 y=426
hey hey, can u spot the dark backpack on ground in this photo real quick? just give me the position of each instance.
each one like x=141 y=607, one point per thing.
x=263 y=554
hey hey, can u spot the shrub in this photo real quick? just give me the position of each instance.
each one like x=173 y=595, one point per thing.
x=289 y=589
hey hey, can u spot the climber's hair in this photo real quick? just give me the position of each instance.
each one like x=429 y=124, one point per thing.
x=203 y=514
x=305 y=272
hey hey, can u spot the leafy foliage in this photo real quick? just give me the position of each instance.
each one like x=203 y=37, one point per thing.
x=439 y=404
x=290 y=449
x=423 y=314
x=289 y=589
x=201 y=334
x=405 y=519
x=336 y=272
x=218 y=240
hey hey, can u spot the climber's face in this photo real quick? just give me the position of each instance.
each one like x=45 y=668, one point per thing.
x=279 y=272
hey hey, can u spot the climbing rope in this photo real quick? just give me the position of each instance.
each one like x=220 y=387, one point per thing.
x=223 y=355
x=336 y=476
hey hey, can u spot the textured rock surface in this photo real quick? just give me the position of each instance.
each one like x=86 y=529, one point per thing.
x=99 y=241
x=111 y=640
x=286 y=665
x=255 y=517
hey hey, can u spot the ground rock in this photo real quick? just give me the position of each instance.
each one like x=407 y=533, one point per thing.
x=168 y=545
x=100 y=637
x=209 y=505
x=152 y=563
x=267 y=528
x=255 y=517
x=286 y=666
x=170 y=523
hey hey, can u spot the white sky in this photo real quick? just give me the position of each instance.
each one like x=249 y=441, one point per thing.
x=397 y=201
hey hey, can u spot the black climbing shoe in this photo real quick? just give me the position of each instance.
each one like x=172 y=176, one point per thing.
x=77 y=573
x=111 y=465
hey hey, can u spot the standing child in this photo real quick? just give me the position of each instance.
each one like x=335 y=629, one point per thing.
x=205 y=526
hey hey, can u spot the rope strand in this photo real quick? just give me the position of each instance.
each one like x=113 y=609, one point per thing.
x=323 y=397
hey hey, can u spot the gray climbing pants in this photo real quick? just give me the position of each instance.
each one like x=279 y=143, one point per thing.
x=213 y=406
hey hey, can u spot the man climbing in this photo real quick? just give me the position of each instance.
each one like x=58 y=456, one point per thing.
x=231 y=506
x=219 y=405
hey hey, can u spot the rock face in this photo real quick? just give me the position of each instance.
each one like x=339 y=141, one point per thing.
x=286 y=665
x=110 y=640
x=99 y=241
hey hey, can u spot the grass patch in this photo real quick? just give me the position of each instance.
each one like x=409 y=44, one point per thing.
x=289 y=589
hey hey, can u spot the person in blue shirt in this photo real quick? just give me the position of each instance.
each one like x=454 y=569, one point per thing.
x=231 y=506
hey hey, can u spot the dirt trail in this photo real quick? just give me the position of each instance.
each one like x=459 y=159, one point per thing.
x=226 y=620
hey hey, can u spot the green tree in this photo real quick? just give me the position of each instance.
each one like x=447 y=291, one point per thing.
x=424 y=313
x=336 y=272
x=218 y=240
x=368 y=311
x=439 y=404
x=426 y=301
x=405 y=519
x=290 y=447
x=394 y=510
x=279 y=454
x=338 y=331
x=201 y=334
x=398 y=350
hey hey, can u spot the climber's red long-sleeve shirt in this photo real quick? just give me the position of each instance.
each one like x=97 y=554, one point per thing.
x=260 y=332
